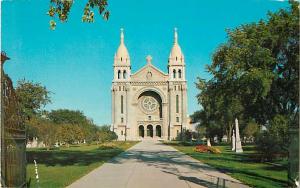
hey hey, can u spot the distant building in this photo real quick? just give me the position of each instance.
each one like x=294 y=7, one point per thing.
x=149 y=103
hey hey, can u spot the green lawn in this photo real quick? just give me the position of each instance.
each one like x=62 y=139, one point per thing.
x=59 y=168
x=244 y=167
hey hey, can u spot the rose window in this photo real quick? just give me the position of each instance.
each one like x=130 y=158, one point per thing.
x=149 y=104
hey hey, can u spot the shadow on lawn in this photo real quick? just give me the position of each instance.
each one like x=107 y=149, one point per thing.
x=69 y=157
x=250 y=174
x=241 y=158
x=249 y=148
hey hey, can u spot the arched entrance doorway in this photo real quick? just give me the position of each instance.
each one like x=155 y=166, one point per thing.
x=141 y=131
x=158 y=130
x=149 y=130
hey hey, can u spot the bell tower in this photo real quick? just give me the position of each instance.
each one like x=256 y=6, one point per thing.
x=177 y=89
x=120 y=89
x=122 y=67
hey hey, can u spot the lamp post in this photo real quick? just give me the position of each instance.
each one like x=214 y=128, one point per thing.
x=3 y=59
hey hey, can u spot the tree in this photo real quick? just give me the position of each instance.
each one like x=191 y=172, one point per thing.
x=251 y=129
x=32 y=98
x=104 y=134
x=255 y=76
x=61 y=116
x=76 y=118
x=70 y=133
x=44 y=130
x=278 y=130
x=274 y=141
x=201 y=131
x=62 y=8
x=256 y=72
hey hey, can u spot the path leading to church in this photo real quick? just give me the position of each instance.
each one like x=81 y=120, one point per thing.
x=150 y=164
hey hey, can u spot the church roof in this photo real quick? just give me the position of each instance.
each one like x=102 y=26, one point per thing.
x=149 y=71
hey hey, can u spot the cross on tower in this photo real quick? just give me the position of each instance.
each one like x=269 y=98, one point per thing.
x=148 y=58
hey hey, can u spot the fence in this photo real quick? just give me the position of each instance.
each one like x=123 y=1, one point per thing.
x=13 y=158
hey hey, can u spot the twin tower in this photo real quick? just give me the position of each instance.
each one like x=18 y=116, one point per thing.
x=149 y=104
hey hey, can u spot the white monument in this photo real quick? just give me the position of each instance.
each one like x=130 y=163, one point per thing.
x=208 y=143
x=238 y=144
x=233 y=141
x=224 y=138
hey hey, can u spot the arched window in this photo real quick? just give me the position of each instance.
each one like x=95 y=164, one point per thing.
x=174 y=73
x=122 y=107
x=124 y=74
x=177 y=104
x=119 y=74
x=121 y=59
x=176 y=58
x=179 y=73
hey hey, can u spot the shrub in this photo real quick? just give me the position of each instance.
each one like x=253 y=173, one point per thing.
x=106 y=146
x=185 y=136
x=185 y=143
x=274 y=141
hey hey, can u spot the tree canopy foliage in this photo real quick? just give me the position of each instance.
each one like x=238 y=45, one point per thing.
x=61 y=9
x=32 y=97
x=255 y=77
x=57 y=126
x=68 y=116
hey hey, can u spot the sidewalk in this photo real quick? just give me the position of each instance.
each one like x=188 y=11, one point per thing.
x=150 y=164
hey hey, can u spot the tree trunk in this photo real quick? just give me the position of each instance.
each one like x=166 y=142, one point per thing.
x=230 y=127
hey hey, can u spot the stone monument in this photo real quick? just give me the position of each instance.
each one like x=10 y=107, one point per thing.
x=238 y=144
x=208 y=142
x=233 y=140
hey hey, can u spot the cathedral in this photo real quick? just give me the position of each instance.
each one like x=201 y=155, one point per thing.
x=149 y=104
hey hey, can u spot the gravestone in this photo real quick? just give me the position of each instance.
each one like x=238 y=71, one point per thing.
x=238 y=144
x=216 y=139
x=233 y=140
x=224 y=138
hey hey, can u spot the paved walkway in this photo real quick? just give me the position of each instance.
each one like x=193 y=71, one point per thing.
x=150 y=164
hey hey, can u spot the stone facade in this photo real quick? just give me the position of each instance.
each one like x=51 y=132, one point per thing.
x=149 y=104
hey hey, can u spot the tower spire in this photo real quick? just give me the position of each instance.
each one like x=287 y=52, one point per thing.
x=122 y=55
x=175 y=36
x=176 y=55
x=122 y=36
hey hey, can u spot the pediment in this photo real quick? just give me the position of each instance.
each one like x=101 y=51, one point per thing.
x=149 y=73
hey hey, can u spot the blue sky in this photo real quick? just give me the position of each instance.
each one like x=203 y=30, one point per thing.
x=75 y=61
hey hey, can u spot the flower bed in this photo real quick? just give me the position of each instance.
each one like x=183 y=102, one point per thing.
x=206 y=149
